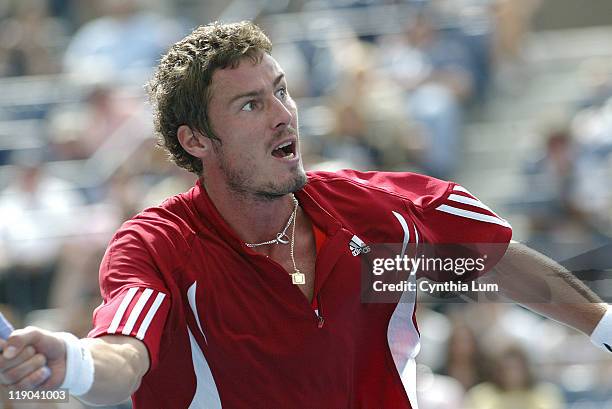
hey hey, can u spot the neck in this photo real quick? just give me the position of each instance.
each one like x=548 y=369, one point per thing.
x=254 y=219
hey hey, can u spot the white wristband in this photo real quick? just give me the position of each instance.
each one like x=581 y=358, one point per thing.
x=602 y=334
x=79 y=366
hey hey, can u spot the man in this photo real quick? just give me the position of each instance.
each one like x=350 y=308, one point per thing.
x=245 y=291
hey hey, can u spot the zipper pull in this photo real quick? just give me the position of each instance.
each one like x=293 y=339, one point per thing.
x=320 y=312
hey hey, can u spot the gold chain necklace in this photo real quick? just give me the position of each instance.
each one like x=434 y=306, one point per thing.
x=281 y=237
x=297 y=277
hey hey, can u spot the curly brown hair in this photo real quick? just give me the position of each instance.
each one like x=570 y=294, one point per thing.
x=179 y=91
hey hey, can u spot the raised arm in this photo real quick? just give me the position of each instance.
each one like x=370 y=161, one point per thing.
x=118 y=363
x=542 y=285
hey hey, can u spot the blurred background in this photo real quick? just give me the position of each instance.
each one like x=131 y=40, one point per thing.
x=510 y=98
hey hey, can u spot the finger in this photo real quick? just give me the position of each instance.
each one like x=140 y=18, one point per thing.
x=50 y=381
x=33 y=380
x=19 y=339
x=45 y=381
x=28 y=374
x=6 y=364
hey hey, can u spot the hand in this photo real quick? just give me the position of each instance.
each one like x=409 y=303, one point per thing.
x=24 y=357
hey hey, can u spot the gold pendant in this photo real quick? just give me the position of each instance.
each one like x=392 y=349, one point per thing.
x=298 y=278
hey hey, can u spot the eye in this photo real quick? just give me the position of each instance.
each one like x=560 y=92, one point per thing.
x=249 y=106
x=281 y=93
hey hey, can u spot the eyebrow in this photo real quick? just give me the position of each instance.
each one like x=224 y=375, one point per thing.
x=256 y=93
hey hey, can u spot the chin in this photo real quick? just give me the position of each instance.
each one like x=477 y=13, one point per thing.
x=299 y=181
x=290 y=185
x=293 y=184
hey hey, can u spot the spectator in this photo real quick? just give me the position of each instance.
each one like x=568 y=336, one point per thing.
x=349 y=141
x=370 y=123
x=512 y=385
x=464 y=361
x=512 y=20
x=30 y=40
x=573 y=166
x=434 y=71
x=77 y=132
x=122 y=41
x=36 y=215
x=551 y=180
x=592 y=128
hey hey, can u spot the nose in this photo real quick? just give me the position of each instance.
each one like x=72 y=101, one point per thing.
x=281 y=114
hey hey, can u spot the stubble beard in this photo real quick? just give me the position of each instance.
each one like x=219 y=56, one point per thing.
x=240 y=181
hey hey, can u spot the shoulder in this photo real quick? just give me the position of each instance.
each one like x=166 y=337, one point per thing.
x=147 y=248
x=446 y=212
x=167 y=228
x=421 y=190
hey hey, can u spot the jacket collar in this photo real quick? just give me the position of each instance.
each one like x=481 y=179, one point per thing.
x=212 y=219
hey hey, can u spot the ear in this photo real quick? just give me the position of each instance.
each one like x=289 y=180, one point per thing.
x=194 y=142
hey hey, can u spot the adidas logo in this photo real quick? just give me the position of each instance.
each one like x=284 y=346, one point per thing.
x=357 y=246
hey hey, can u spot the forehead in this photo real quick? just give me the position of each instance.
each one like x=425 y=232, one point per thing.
x=247 y=76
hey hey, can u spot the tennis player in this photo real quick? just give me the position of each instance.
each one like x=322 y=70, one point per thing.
x=244 y=292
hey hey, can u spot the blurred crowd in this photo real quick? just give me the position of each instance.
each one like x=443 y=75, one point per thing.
x=570 y=194
x=78 y=156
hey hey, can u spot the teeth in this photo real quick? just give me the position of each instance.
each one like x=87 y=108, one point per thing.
x=284 y=145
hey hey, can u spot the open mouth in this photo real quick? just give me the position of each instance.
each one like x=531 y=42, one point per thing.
x=285 y=150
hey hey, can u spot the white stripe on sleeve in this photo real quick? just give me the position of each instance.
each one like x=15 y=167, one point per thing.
x=470 y=201
x=129 y=325
x=473 y=215
x=142 y=331
x=121 y=310
x=462 y=189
